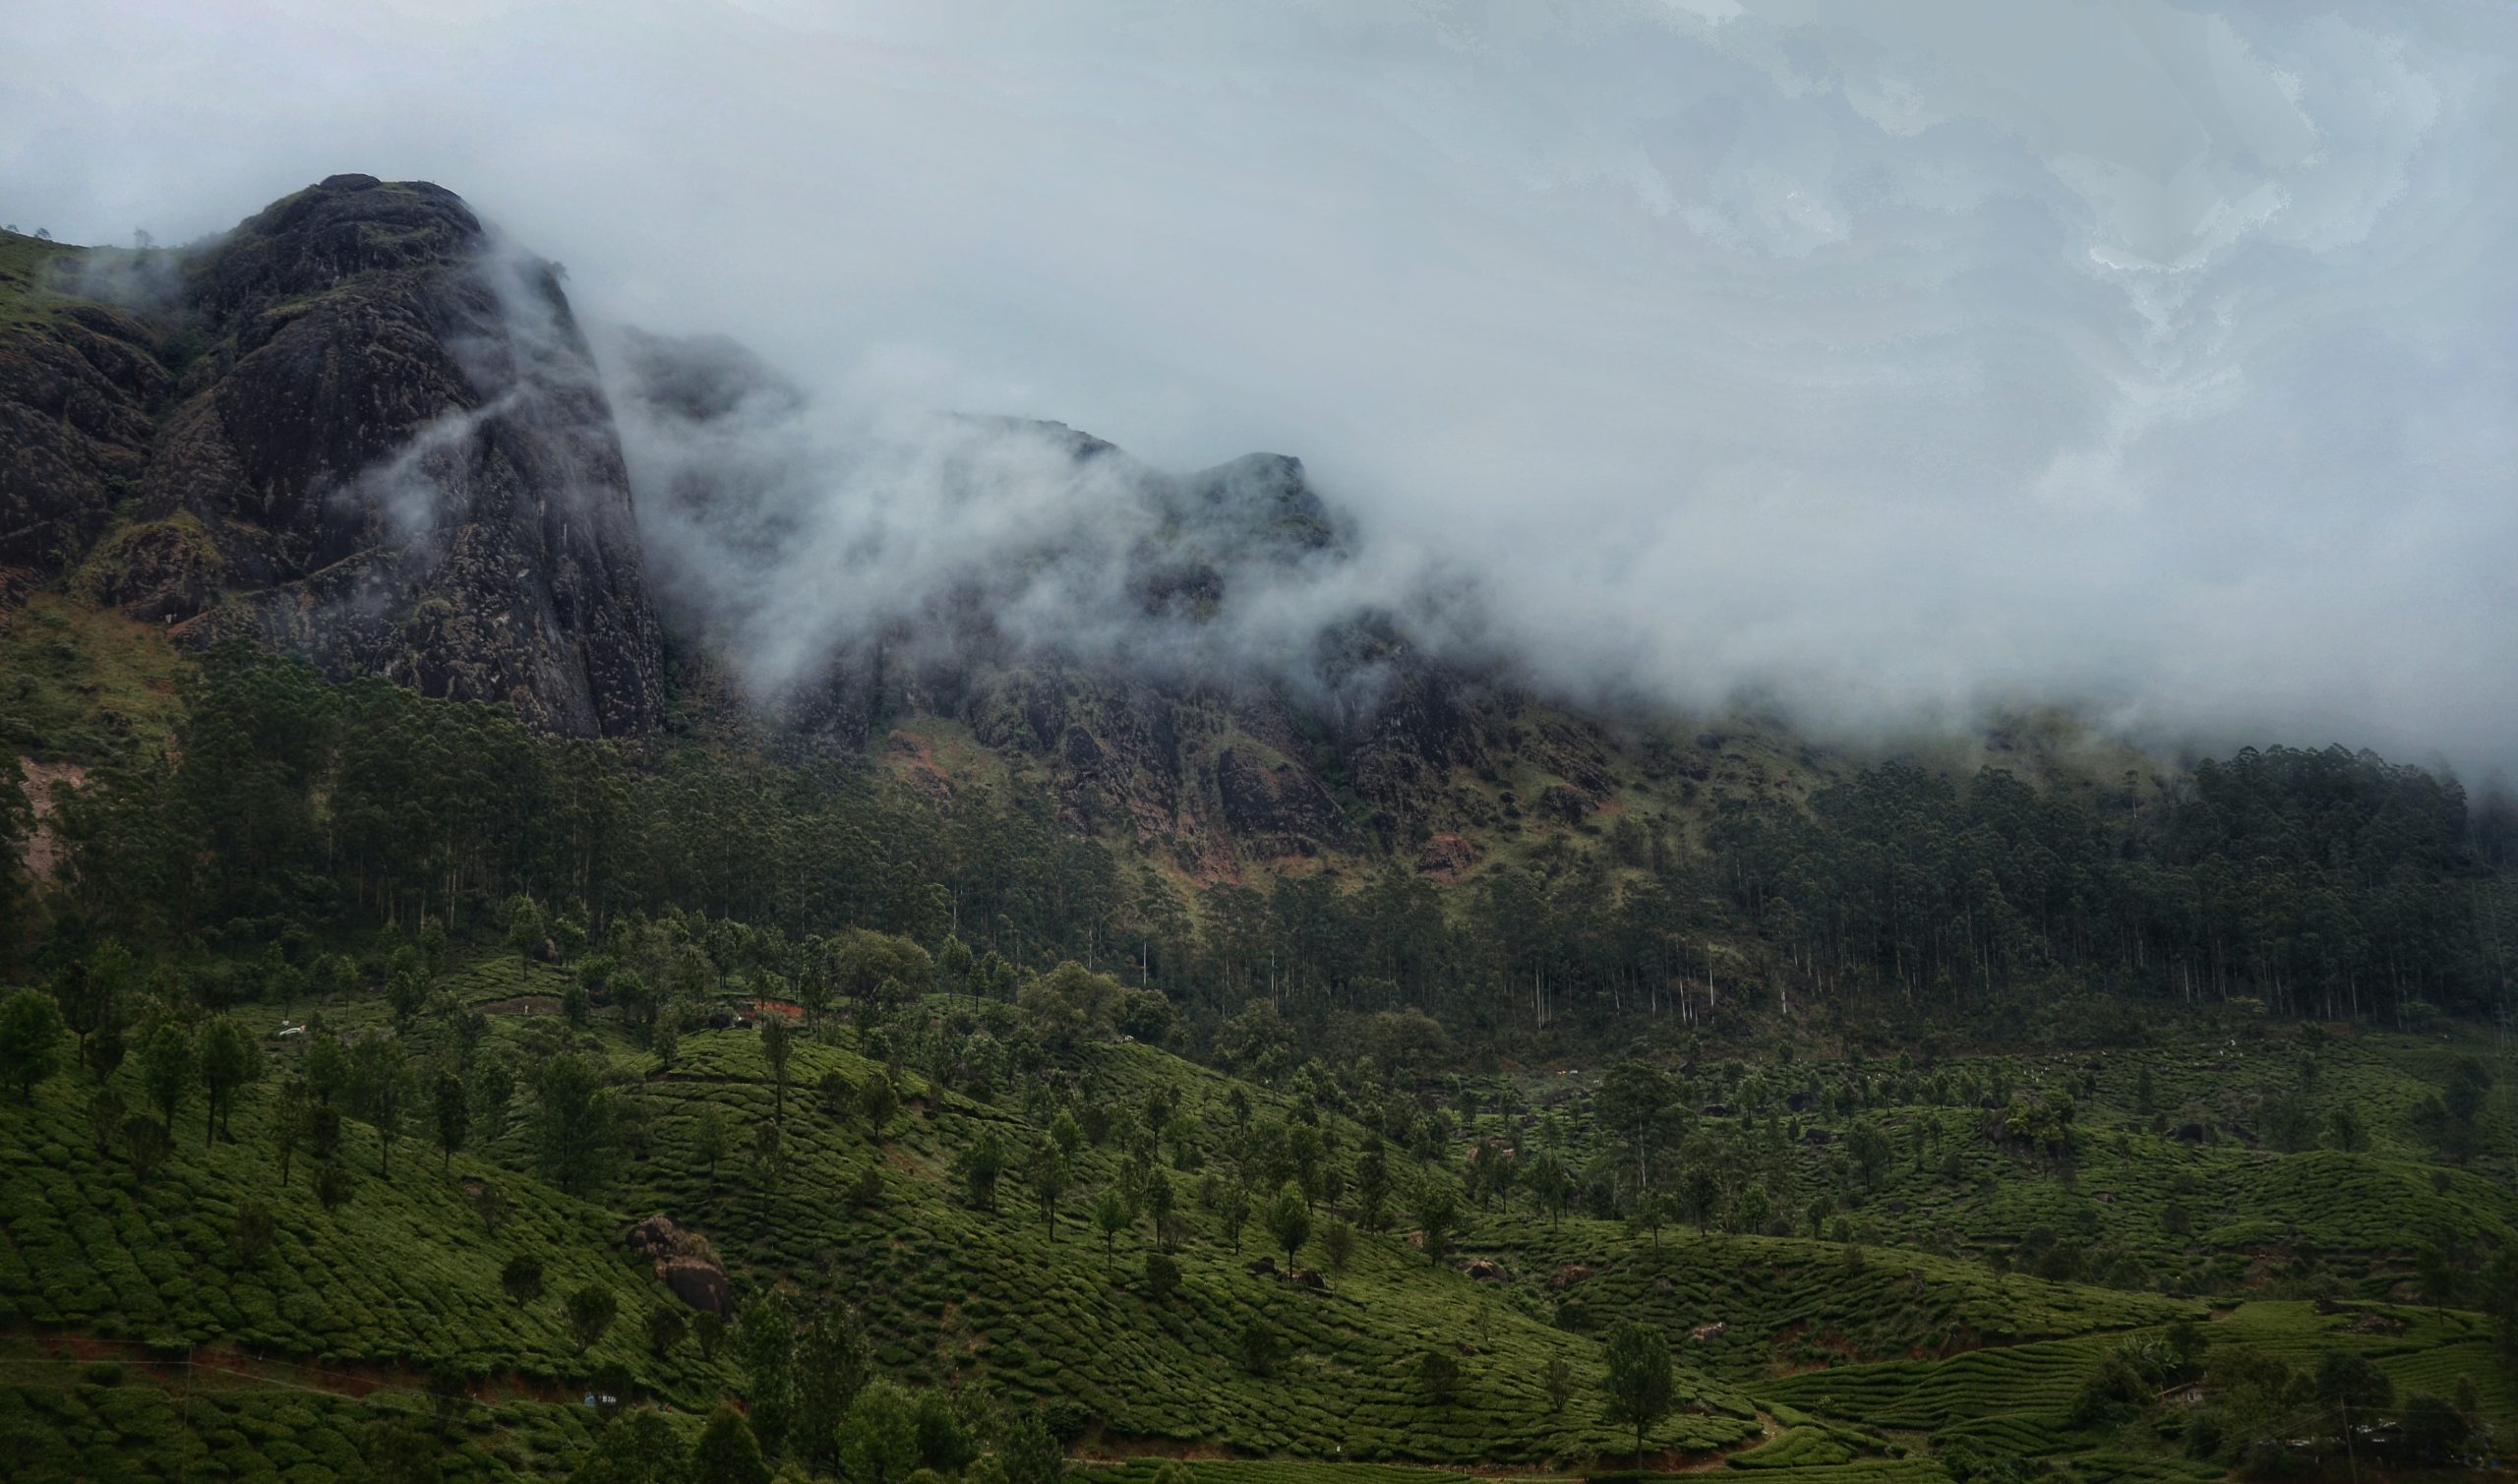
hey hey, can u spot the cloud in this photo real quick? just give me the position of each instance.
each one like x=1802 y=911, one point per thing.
x=1891 y=360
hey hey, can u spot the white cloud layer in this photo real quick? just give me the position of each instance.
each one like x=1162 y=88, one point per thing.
x=2150 y=358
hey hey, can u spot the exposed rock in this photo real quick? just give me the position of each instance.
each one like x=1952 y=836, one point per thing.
x=1446 y=856
x=684 y=1261
x=386 y=450
x=1265 y=1267
x=1486 y=1271
x=1305 y=1277
x=1702 y=1333
x=1565 y=805
x=76 y=390
x=1569 y=1274
x=699 y=1282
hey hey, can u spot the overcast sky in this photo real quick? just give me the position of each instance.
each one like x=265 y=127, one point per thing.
x=2151 y=358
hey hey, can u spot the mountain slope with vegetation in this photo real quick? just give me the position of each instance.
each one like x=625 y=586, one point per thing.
x=479 y=1041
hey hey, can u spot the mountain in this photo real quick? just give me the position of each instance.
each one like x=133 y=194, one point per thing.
x=1205 y=666
x=988 y=957
x=357 y=428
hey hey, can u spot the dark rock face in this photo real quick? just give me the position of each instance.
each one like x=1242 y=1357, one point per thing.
x=389 y=451
x=1169 y=722
x=74 y=392
x=683 y=1260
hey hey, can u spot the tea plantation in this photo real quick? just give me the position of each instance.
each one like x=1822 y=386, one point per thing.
x=1164 y=1271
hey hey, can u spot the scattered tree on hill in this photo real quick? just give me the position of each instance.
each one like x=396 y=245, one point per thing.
x=454 y=1117
x=641 y=1448
x=93 y=991
x=1048 y=1173
x=2348 y=1382
x=981 y=1165
x=145 y=1143
x=1439 y=1374
x=1639 y=1388
x=1027 y=1451
x=168 y=1068
x=880 y=1103
x=1338 y=1245
x=1557 y=1380
x=1261 y=1349
x=379 y=1080
x=573 y=1123
x=2451 y=1119
x=2345 y=1129
x=332 y=1184
x=1437 y=1211
x=229 y=1059
x=522 y=1277
x=1289 y=1220
x=1635 y=1103
x=777 y=1044
x=1112 y=1214
x=765 y=1337
x=105 y=1118
x=830 y=1366
x=947 y=1441
x=728 y=1453
x=665 y=1328
x=710 y=1136
x=1162 y=1277
x=406 y=993
x=878 y=1438
x=590 y=1311
x=521 y=922
x=30 y=1033
x=1372 y=1185
x=251 y=1234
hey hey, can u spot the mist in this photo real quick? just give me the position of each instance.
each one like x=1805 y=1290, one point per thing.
x=1889 y=363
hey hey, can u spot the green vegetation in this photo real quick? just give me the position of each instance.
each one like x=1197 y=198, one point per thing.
x=355 y=1044
x=26 y=266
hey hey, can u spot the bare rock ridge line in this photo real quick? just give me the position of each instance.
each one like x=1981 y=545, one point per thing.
x=356 y=428
x=361 y=428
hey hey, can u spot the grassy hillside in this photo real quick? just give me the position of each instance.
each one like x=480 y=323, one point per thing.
x=144 y=1339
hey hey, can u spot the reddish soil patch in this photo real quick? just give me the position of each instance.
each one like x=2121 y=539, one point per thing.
x=1446 y=856
x=340 y=1378
x=913 y=758
x=39 y=781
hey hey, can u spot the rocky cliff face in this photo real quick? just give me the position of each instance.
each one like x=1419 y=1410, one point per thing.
x=359 y=429
x=1108 y=652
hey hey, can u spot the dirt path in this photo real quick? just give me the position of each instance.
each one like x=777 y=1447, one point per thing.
x=215 y=1364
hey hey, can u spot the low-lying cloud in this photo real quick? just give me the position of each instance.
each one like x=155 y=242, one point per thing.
x=1891 y=360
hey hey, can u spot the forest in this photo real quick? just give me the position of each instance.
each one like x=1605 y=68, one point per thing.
x=2317 y=883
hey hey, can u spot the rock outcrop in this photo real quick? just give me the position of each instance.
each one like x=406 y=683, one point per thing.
x=684 y=1261
x=357 y=428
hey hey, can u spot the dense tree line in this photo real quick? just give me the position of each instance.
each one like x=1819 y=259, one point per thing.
x=2321 y=883
x=2324 y=883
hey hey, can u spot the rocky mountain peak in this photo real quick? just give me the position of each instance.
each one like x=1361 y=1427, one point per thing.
x=385 y=447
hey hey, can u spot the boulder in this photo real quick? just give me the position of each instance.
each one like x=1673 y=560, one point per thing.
x=683 y=1260
x=699 y=1282
x=1569 y=1274
x=1486 y=1271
